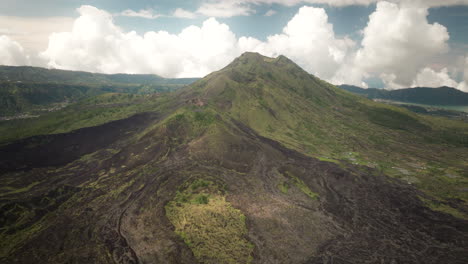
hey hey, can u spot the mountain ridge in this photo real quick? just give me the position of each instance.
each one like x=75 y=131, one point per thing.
x=44 y=75
x=422 y=95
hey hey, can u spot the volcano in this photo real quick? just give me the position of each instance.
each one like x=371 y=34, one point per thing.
x=260 y=162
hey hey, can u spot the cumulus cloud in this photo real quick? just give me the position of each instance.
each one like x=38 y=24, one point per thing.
x=397 y=42
x=97 y=44
x=11 y=52
x=182 y=13
x=427 y=77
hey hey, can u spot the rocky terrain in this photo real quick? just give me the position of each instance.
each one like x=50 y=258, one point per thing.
x=259 y=162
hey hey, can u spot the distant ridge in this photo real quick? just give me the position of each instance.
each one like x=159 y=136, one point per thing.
x=42 y=75
x=25 y=89
x=420 y=95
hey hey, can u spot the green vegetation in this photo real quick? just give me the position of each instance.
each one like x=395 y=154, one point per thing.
x=209 y=225
x=90 y=112
x=22 y=220
x=320 y=120
x=6 y=190
x=284 y=187
x=394 y=119
x=443 y=207
x=302 y=186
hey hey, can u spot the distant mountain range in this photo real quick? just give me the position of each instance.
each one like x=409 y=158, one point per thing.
x=27 y=89
x=419 y=95
x=41 y=75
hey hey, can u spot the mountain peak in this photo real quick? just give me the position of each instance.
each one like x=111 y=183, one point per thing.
x=251 y=54
x=250 y=58
x=262 y=79
x=259 y=64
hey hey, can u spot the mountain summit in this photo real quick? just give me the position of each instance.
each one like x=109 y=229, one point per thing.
x=259 y=162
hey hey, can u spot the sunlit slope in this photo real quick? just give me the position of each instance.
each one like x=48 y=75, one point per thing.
x=280 y=101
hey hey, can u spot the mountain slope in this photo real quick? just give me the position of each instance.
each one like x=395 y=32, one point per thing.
x=224 y=171
x=420 y=95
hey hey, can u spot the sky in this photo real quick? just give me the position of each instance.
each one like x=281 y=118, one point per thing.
x=389 y=44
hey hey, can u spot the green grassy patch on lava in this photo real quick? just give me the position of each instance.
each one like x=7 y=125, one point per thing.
x=208 y=224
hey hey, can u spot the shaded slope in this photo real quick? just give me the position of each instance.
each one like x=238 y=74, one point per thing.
x=254 y=138
x=60 y=149
x=89 y=112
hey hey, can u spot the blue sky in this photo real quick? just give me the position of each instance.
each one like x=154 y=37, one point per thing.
x=335 y=40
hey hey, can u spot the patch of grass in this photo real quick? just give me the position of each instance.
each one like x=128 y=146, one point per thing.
x=303 y=187
x=441 y=207
x=121 y=188
x=8 y=242
x=204 y=118
x=327 y=159
x=284 y=187
x=7 y=190
x=200 y=183
x=200 y=199
x=394 y=119
x=209 y=225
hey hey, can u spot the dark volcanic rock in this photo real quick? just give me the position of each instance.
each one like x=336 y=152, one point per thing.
x=98 y=195
x=360 y=216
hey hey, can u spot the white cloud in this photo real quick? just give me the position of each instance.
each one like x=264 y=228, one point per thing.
x=270 y=12
x=348 y=73
x=398 y=41
x=182 y=13
x=11 y=52
x=143 y=13
x=96 y=44
x=225 y=8
x=430 y=78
